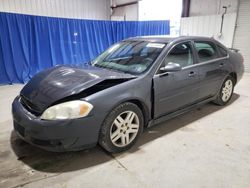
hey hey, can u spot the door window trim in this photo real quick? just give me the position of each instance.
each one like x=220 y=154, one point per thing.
x=195 y=56
x=207 y=62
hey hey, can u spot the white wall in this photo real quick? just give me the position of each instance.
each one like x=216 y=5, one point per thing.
x=160 y=9
x=148 y=10
x=209 y=26
x=128 y=13
x=242 y=37
x=205 y=20
x=211 y=7
x=88 y=9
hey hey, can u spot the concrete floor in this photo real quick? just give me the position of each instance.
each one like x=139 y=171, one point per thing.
x=208 y=147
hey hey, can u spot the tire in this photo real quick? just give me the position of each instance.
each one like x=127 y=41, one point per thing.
x=226 y=91
x=121 y=128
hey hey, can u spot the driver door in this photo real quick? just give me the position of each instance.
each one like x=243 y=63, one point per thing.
x=175 y=90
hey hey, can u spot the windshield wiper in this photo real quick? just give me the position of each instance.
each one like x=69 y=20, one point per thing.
x=110 y=68
x=102 y=66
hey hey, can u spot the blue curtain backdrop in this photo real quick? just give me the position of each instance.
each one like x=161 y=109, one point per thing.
x=29 y=44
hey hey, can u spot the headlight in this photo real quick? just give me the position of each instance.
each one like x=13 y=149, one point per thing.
x=67 y=110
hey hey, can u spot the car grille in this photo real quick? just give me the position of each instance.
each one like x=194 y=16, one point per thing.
x=29 y=106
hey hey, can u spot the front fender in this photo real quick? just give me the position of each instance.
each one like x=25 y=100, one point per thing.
x=133 y=90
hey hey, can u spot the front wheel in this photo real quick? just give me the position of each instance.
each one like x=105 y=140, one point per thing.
x=121 y=128
x=226 y=91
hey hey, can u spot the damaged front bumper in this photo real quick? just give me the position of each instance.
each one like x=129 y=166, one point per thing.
x=55 y=135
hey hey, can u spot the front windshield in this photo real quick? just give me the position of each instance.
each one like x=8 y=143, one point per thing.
x=134 y=57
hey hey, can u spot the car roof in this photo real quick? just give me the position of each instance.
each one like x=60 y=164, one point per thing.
x=167 y=38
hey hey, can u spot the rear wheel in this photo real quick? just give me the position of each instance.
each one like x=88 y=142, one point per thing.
x=121 y=128
x=226 y=91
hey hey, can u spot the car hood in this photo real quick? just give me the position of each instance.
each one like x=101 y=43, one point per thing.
x=59 y=82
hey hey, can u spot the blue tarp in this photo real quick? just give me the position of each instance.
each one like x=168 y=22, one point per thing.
x=29 y=44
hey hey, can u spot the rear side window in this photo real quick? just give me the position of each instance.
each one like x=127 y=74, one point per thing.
x=206 y=51
x=223 y=51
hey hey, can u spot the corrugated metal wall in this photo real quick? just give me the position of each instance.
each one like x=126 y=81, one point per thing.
x=87 y=9
x=242 y=33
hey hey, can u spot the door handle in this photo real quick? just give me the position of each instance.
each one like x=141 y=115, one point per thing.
x=221 y=64
x=191 y=74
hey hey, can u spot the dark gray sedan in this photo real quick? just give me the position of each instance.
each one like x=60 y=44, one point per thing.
x=134 y=84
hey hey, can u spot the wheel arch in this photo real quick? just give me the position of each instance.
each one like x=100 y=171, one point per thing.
x=234 y=75
x=143 y=107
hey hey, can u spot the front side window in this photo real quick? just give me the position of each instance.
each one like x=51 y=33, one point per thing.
x=134 y=57
x=180 y=54
x=206 y=51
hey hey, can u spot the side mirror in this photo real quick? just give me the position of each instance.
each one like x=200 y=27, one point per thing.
x=170 y=67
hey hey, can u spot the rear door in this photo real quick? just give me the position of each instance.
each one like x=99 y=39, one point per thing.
x=176 y=90
x=211 y=65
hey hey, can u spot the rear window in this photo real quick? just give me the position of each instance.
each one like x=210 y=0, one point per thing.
x=206 y=51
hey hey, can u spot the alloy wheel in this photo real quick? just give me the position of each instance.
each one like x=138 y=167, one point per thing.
x=227 y=90
x=124 y=128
